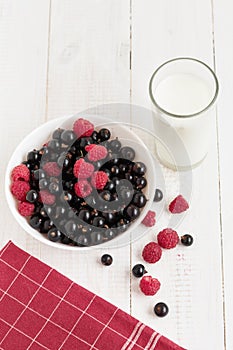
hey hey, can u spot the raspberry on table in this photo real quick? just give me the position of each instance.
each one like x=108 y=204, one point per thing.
x=83 y=127
x=82 y=188
x=26 y=209
x=20 y=172
x=82 y=169
x=149 y=285
x=178 y=205
x=19 y=189
x=149 y=219
x=47 y=198
x=97 y=152
x=152 y=252
x=99 y=179
x=168 y=238
x=52 y=169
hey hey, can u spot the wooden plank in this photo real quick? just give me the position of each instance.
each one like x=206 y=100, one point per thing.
x=23 y=57
x=223 y=28
x=89 y=66
x=191 y=277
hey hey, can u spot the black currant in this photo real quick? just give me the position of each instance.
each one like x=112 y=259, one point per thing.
x=139 y=270
x=98 y=221
x=54 y=145
x=139 y=199
x=139 y=168
x=115 y=145
x=35 y=221
x=57 y=134
x=95 y=136
x=127 y=153
x=32 y=196
x=158 y=195
x=140 y=182
x=84 y=215
x=68 y=136
x=161 y=309
x=33 y=156
x=187 y=240
x=106 y=260
x=104 y=134
x=38 y=174
x=43 y=183
x=54 y=234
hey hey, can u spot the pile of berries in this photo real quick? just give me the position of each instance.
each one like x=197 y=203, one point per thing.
x=82 y=187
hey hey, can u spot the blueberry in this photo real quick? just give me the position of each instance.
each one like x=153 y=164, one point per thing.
x=139 y=168
x=104 y=134
x=127 y=153
x=139 y=200
x=158 y=195
x=187 y=240
x=139 y=270
x=106 y=260
x=57 y=134
x=54 y=235
x=115 y=145
x=161 y=309
x=32 y=196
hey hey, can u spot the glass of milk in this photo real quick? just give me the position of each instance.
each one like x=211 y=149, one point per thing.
x=183 y=92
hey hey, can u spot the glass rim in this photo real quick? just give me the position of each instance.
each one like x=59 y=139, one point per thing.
x=184 y=115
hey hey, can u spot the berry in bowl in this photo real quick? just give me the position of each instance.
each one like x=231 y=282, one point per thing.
x=81 y=182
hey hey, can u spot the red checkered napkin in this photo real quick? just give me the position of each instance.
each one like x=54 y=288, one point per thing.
x=42 y=309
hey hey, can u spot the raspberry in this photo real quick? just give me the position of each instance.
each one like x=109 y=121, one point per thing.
x=26 y=209
x=168 y=238
x=83 y=127
x=52 y=169
x=47 y=198
x=149 y=285
x=149 y=219
x=99 y=179
x=97 y=152
x=178 y=205
x=152 y=252
x=82 y=188
x=20 y=172
x=82 y=169
x=19 y=189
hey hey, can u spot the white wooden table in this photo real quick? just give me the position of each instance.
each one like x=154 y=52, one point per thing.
x=59 y=57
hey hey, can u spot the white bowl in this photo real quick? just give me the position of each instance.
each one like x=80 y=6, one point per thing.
x=40 y=135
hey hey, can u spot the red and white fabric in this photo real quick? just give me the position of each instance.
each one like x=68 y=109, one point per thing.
x=42 y=309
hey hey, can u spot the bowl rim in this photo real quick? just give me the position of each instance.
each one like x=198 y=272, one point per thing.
x=22 y=220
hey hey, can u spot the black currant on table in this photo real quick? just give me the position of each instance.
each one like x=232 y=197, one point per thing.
x=139 y=270
x=187 y=240
x=106 y=260
x=161 y=309
x=158 y=195
x=104 y=134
